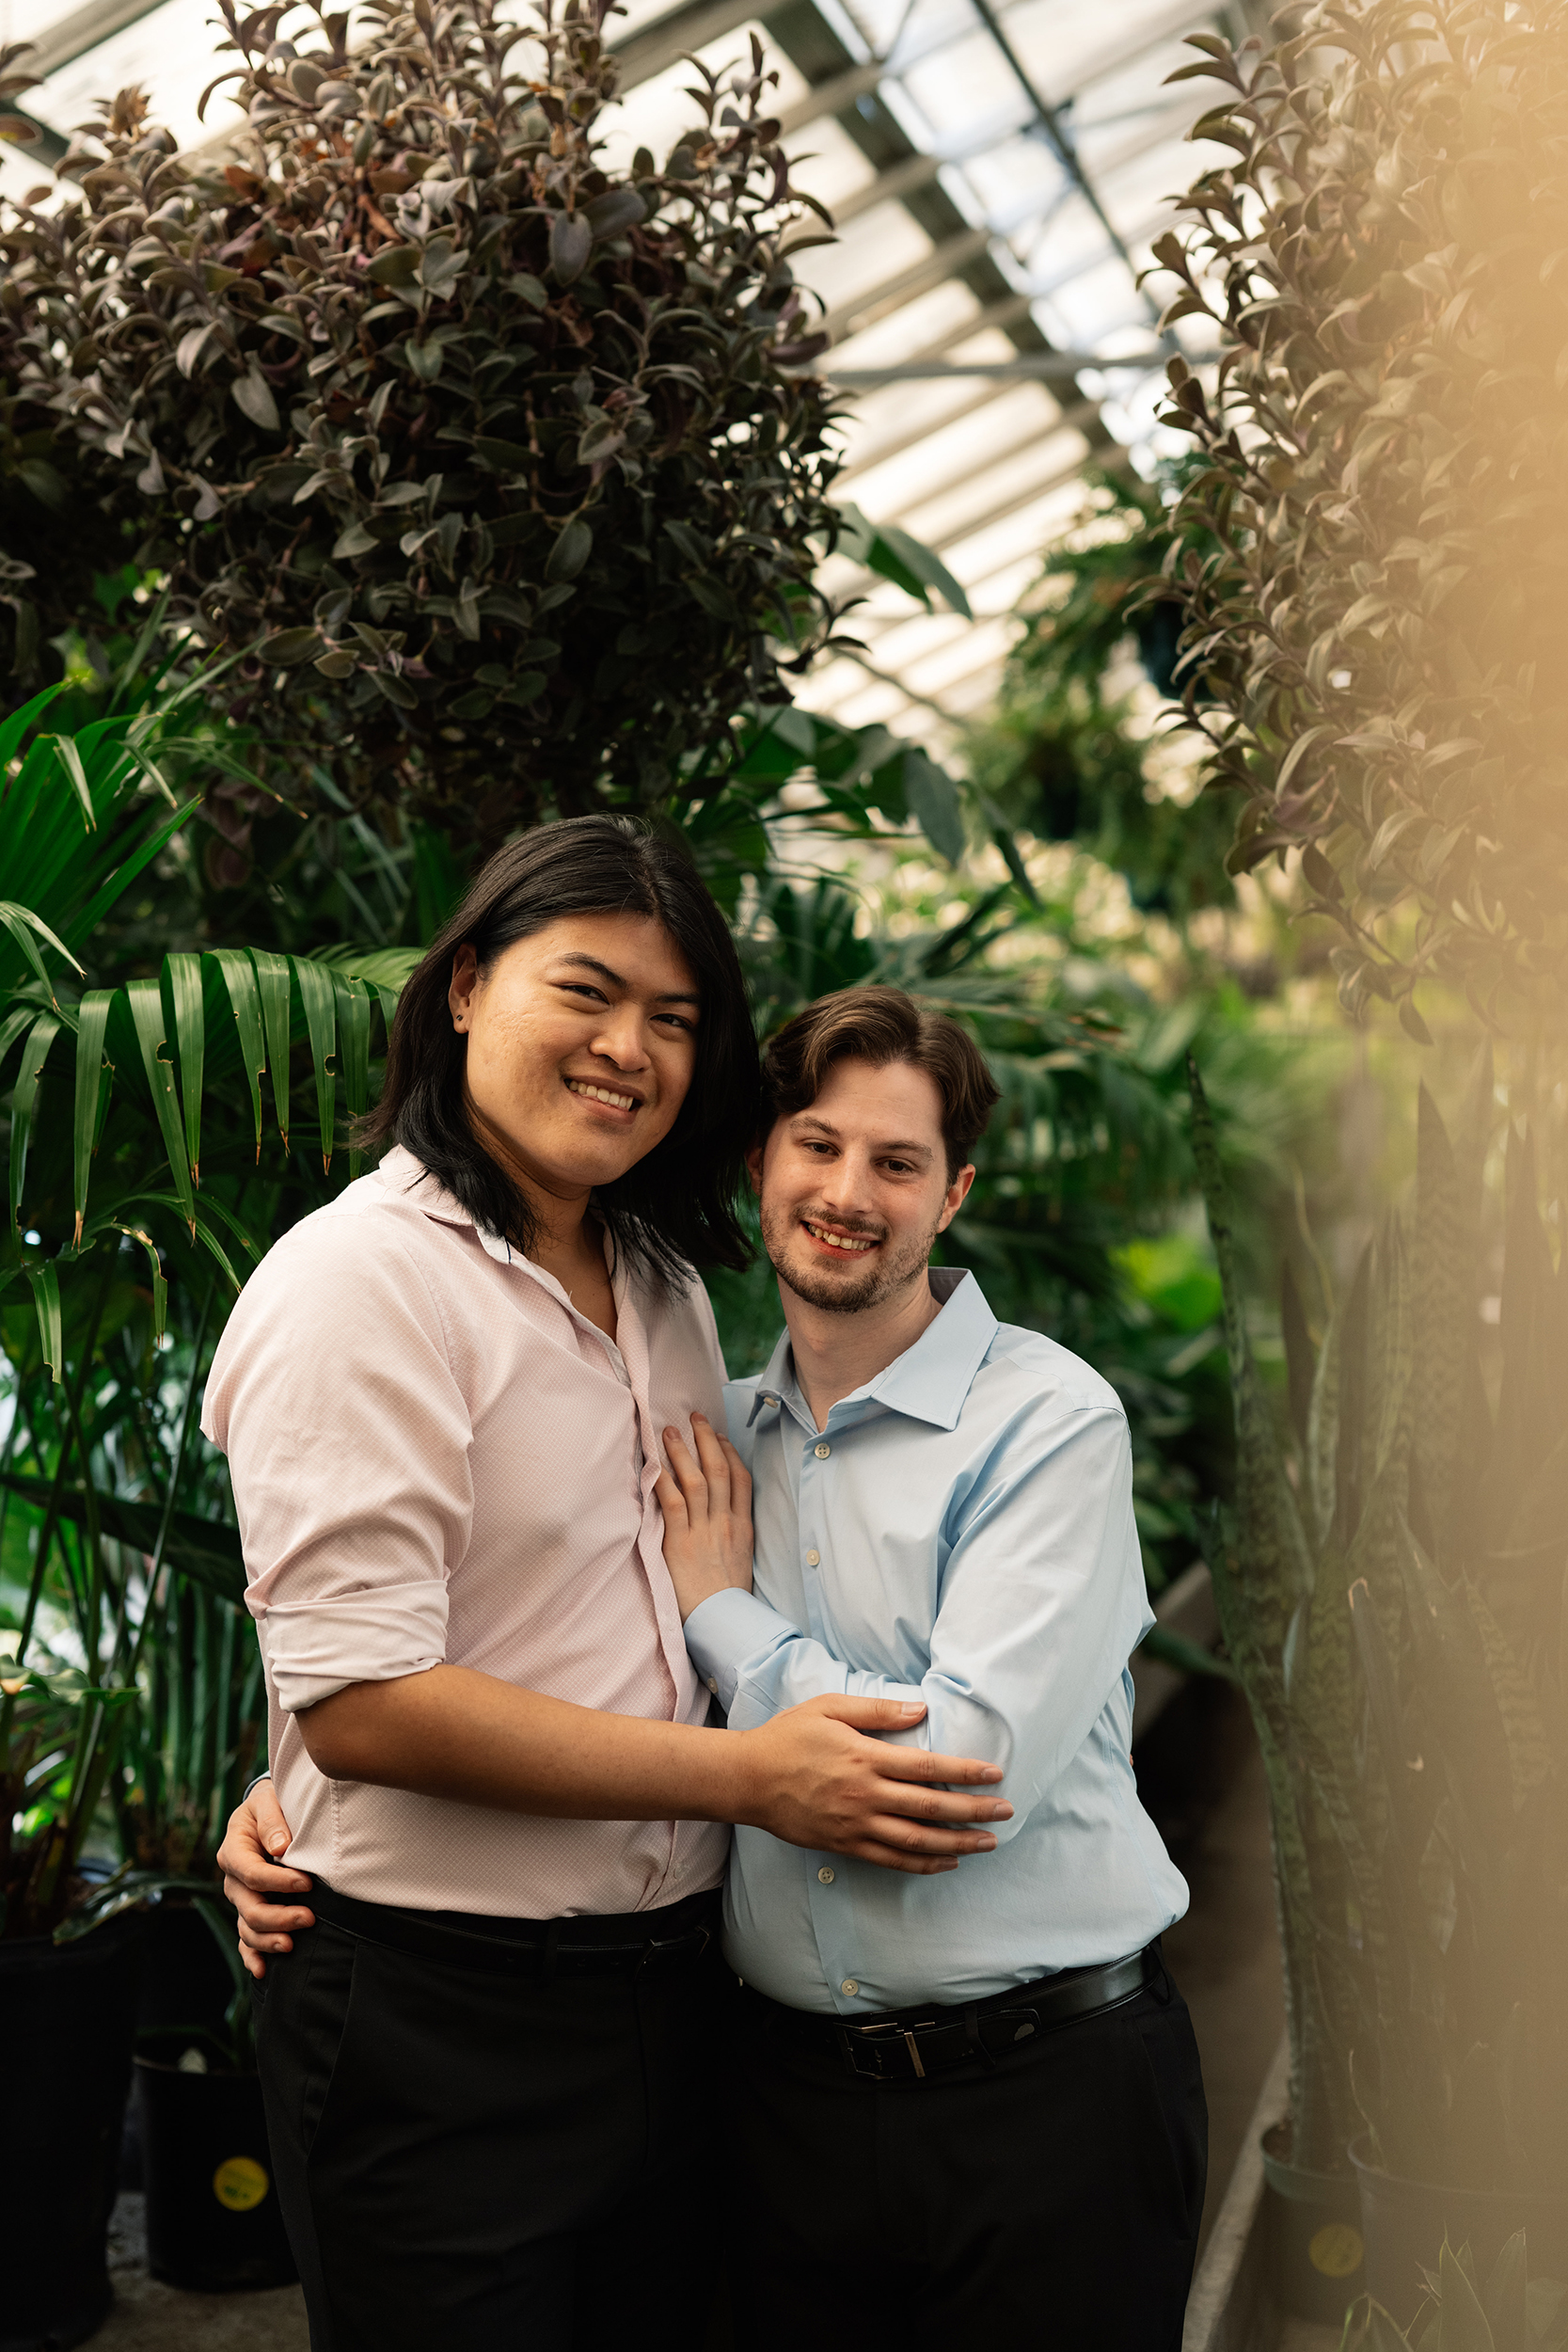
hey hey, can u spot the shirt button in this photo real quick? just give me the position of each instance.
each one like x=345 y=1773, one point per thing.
x=849 y=1987
x=825 y=1875
x=713 y=1684
x=823 y=1451
x=814 y=1559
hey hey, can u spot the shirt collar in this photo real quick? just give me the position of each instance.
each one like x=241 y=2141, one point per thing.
x=400 y=1171
x=929 y=1381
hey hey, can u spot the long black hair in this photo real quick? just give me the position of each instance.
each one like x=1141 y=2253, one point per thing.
x=674 y=1210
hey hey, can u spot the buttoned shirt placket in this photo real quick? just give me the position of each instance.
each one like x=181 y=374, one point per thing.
x=818 y=1453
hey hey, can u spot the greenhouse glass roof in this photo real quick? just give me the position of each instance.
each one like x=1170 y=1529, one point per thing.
x=997 y=170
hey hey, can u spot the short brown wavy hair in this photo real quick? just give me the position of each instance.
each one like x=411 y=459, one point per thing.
x=882 y=1026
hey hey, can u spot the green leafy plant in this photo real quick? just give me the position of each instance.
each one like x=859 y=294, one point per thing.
x=139 y=1174
x=502 y=471
x=1374 y=647
x=1513 y=2313
x=1058 y=757
x=1390 y=1586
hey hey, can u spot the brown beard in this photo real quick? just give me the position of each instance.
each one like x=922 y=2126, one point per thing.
x=882 y=1279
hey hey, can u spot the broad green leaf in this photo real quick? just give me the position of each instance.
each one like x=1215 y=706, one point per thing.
x=69 y=759
x=897 y=554
x=190 y=1037
x=1368 y=2327
x=144 y=999
x=354 y=1031
x=15 y=1021
x=239 y=974
x=16 y=725
x=1190 y=1658
x=22 y=923
x=201 y=1230
x=160 y=1283
x=1462 y=2327
x=318 y=997
x=272 y=978
x=933 y=801
x=207 y=1551
x=24 y=1101
x=1444 y=1308
x=124 y=873
x=1504 y=2298
x=94 y=1074
x=46 y=1298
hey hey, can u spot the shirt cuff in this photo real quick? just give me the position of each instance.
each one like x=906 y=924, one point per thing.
x=726 y=1630
x=313 y=1649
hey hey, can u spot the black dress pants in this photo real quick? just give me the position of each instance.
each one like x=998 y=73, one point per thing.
x=1051 y=2200
x=474 y=2163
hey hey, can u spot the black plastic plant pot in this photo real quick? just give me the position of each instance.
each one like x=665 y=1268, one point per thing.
x=67 y=2015
x=1404 y=2223
x=1315 y=2238
x=214 y=2222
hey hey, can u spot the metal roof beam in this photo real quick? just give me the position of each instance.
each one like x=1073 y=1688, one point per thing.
x=83 y=29
x=834 y=97
x=947 y=259
x=677 y=34
x=984 y=462
x=1026 y=367
x=1067 y=420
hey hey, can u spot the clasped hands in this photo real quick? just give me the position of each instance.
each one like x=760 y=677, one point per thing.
x=705 y=1496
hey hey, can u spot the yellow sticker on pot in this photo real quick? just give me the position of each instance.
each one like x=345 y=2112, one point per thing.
x=1336 y=2249
x=240 y=2183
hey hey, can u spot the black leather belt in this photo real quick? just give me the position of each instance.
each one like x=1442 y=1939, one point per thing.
x=629 y=1944
x=912 y=2044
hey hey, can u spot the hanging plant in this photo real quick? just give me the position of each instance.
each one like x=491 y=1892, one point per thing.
x=1375 y=651
x=501 y=466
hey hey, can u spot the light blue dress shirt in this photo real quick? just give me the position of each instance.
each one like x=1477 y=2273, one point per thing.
x=961 y=1532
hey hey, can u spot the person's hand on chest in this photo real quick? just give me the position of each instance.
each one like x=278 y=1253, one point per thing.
x=705 y=1496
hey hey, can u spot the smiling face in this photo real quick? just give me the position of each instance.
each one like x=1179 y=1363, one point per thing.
x=854 y=1189
x=582 y=1040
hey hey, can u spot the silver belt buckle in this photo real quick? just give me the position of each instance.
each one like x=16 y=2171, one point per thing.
x=881 y=2035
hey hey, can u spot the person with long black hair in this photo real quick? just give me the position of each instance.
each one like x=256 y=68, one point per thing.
x=483 y=2045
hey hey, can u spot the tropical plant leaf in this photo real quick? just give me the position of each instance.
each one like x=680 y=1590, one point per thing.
x=25 y=1101
x=271 y=979
x=145 y=1001
x=244 y=997
x=319 y=999
x=46 y=1285
x=94 y=1077
x=190 y=1037
x=205 y=1550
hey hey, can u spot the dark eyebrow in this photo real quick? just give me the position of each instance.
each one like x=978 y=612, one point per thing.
x=824 y=1127
x=670 y=996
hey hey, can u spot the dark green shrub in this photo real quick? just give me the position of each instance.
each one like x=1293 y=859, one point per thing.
x=1381 y=632
x=498 y=466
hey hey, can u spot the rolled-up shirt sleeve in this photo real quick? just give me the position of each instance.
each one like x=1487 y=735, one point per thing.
x=348 y=1441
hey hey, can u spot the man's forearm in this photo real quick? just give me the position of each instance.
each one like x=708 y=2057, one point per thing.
x=458 y=1734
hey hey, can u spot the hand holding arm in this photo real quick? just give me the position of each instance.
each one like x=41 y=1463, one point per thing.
x=813 y=1775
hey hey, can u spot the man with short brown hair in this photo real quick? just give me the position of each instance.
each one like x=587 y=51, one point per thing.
x=968 y=2107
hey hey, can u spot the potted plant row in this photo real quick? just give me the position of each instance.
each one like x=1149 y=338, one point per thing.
x=1392 y=1589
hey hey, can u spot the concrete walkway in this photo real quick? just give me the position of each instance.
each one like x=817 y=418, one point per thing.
x=151 y=2317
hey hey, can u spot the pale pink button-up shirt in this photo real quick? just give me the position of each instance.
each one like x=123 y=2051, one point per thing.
x=437 y=1458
